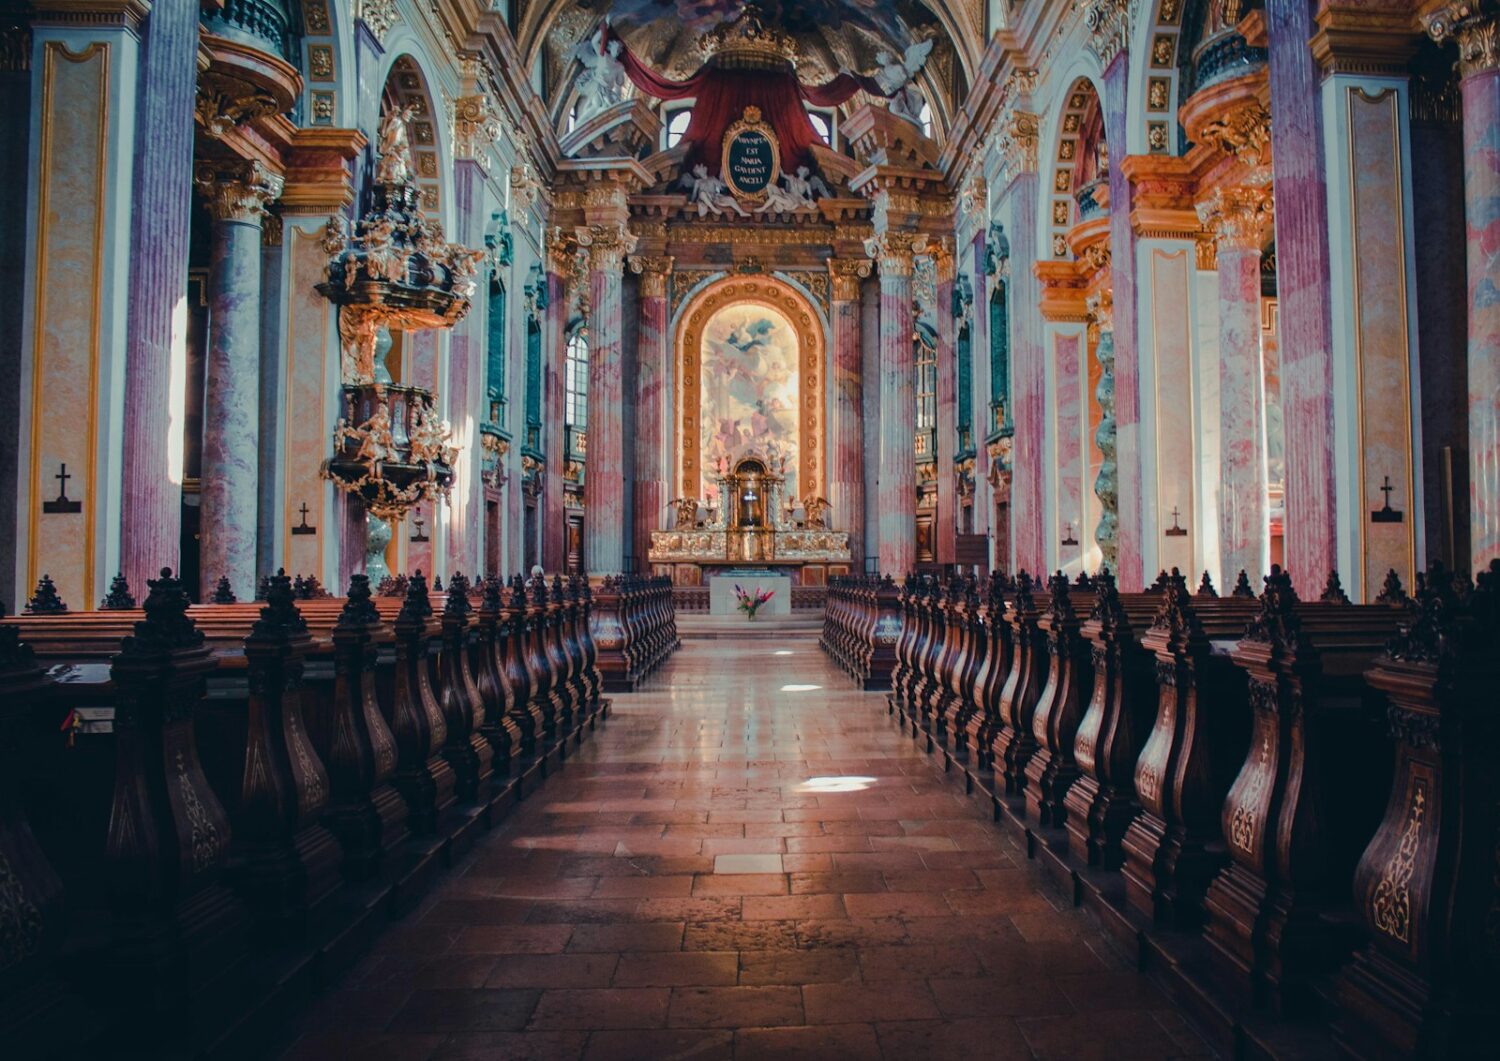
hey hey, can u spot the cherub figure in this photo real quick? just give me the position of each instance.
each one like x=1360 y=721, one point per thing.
x=710 y=194
x=602 y=83
x=895 y=79
x=375 y=441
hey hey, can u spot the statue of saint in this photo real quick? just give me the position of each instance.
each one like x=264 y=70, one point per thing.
x=394 y=165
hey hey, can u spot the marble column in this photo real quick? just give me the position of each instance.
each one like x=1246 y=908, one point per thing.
x=1238 y=217
x=653 y=429
x=464 y=513
x=604 y=466
x=1106 y=436
x=236 y=195
x=561 y=266
x=1122 y=238
x=898 y=409
x=1303 y=292
x=846 y=483
x=945 y=520
x=151 y=458
x=1028 y=377
x=1478 y=38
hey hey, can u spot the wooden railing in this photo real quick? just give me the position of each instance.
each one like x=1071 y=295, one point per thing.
x=1215 y=777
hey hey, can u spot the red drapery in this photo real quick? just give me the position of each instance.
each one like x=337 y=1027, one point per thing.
x=723 y=94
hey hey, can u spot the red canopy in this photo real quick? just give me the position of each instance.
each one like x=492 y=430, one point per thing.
x=723 y=94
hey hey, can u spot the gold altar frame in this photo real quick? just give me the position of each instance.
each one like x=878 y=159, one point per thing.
x=786 y=300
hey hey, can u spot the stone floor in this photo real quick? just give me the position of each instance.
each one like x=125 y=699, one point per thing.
x=750 y=861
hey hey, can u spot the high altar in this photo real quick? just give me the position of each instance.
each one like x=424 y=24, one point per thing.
x=751 y=521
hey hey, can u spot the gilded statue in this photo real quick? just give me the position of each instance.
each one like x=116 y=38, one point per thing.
x=394 y=163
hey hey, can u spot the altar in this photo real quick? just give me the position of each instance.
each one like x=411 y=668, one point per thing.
x=748 y=522
x=723 y=601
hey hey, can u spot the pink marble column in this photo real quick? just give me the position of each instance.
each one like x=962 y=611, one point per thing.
x=1303 y=290
x=1128 y=441
x=1238 y=217
x=846 y=484
x=604 y=466
x=945 y=522
x=236 y=195
x=1480 y=65
x=151 y=515
x=465 y=508
x=554 y=349
x=1028 y=377
x=419 y=369
x=653 y=433
x=898 y=410
x=1067 y=369
x=979 y=414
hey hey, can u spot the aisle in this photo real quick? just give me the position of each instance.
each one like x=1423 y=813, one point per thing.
x=748 y=860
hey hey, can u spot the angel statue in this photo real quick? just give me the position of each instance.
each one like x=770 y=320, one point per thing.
x=710 y=194
x=394 y=165
x=795 y=192
x=602 y=82
x=895 y=79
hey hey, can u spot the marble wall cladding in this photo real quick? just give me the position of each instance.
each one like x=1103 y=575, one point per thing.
x=869 y=342
x=231 y=413
x=1304 y=289
x=1128 y=435
x=312 y=377
x=1028 y=377
x=1244 y=534
x=604 y=483
x=151 y=517
x=1383 y=348
x=1174 y=444
x=1205 y=294
x=1481 y=96
x=846 y=481
x=979 y=414
x=653 y=443
x=898 y=425
x=62 y=415
x=1068 y=404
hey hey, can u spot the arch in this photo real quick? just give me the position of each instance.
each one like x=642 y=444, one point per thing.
x=1056 y=211
x=1153 y=86
x=330 y=93
x=406 y=83
x=799 y=311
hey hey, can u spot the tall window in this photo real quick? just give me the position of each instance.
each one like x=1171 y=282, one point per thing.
x=822 y=125
x=533 y=382
x=576 y=382
x=999 y=359
x=926 y=353
x=677 y=125
x=965 y=390
x=494 y=361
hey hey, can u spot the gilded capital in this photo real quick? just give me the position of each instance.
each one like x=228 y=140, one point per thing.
x=1108 y=23
x=939 y=250
x=846 y=274
x=476 y=125
x=653 y=272
x=1018 y=142
x=895 y=251
x=606 y=246
x=1472 y=24
x=1237 y=217
x=237 y=191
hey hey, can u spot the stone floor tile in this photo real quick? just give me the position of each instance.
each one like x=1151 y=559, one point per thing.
x=553 y=970
x=669 y=1044
x=735 y=1007
x=845 y=1002
x=680 y=969
x=831 y=1042
x=457 y=1010
x=602 y=1008
x=797 y=967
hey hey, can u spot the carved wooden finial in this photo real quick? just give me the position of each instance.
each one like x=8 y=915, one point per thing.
x=1391 y=591
x=1333 y=590
x=223 y=593
x=45 y=600
x=119 y=598
x=1206 y=586
x=1242 y=586
x=359 y=609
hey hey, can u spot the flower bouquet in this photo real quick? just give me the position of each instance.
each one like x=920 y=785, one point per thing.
x=750 y=603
